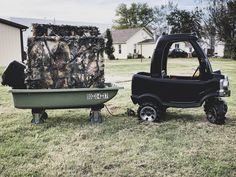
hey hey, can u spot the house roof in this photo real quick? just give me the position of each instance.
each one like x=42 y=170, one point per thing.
x=13 y=24
x=122 y=35
x=147 y=41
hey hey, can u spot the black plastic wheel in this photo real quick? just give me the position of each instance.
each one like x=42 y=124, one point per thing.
x=216 y=110
x=37 y=119
x=44 y=115
x=149 y=112
x=224 y=106
x=95 y=116
x=211 y=114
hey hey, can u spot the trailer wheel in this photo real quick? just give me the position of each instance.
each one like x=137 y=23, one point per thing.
x=149 y=112
x=44 y=115
x=39 y=116
x=37 y=119
x=95 y=116
x=216 y=110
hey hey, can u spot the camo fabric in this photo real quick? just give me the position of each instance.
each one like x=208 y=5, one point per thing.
x=56 y=61
x=64 y=30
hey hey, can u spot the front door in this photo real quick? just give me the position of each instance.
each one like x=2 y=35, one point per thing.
x=182 y=90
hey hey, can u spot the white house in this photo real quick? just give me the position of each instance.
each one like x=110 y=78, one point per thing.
x=218 y=46
x=11 y=41
x=140 y=41
x=147 y=47
x=127 y=42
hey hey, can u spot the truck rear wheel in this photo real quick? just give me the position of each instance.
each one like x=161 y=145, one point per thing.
x=216 y=110
x=149 y=112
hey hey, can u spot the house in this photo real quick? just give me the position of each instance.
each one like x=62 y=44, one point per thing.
x=141 y=42
x=147 y=47
x=219 y=49
x=11 y=41
x=213 y=47
x=132 y=42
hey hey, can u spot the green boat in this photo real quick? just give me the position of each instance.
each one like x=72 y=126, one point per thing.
x=41 y=99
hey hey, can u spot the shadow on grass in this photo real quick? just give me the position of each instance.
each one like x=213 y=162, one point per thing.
x=65 y=120
x=230 y=122
x=183 y=117
x=75 y=118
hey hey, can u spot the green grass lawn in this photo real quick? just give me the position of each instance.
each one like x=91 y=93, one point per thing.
x=184 y=144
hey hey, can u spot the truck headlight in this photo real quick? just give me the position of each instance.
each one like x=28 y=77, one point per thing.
x=225 y=83
x=224 y=86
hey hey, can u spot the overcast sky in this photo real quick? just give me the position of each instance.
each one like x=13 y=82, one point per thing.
x=99 y=11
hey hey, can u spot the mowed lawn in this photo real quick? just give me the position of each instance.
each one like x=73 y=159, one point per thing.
x=184 y=144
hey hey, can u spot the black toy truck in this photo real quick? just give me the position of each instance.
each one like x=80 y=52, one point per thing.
x=156 y=91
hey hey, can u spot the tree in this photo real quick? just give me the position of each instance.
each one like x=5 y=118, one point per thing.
x=160 y=14
x=182 y=21
x=137 y=15
x=109 y=49
x=223 y=16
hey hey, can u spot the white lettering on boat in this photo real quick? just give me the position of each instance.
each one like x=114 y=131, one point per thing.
x=97 y=96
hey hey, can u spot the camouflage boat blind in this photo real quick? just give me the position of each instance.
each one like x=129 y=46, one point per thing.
x=64 y=30
x=65 y=61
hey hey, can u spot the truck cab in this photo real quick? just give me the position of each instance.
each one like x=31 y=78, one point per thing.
x=156 y=91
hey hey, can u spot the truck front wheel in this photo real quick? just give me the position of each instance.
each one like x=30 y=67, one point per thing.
x=215 y=110
x=149 y=112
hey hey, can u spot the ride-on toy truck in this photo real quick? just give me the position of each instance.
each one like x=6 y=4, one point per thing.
x=156 y=91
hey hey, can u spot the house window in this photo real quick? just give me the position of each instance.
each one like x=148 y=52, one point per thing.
x=176 y=46
x=135 y=48
x=119 y=48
